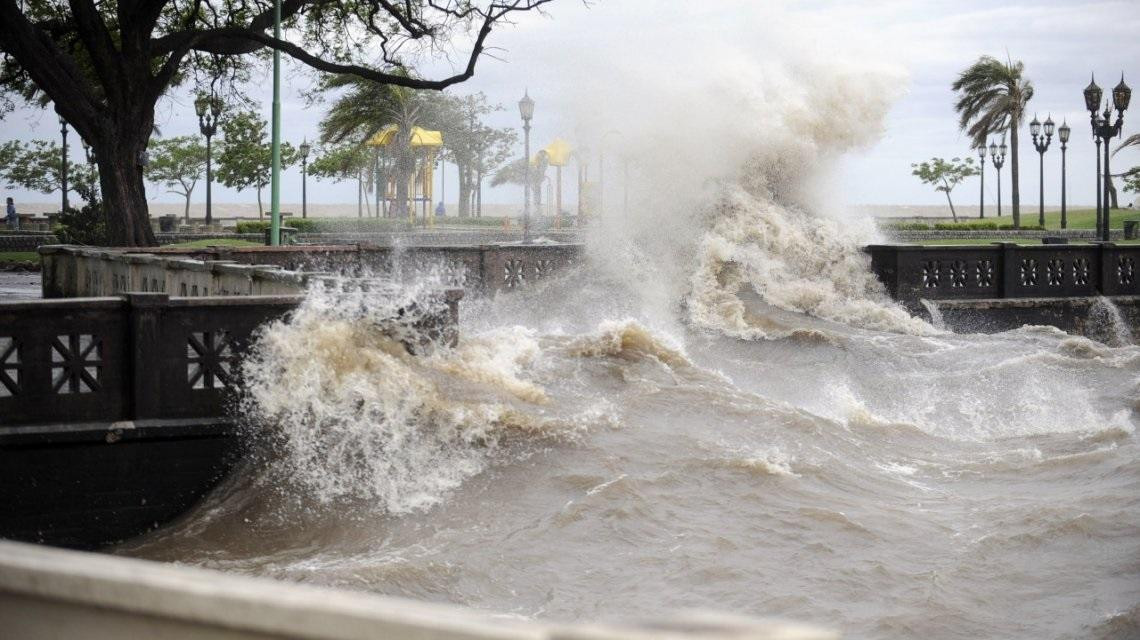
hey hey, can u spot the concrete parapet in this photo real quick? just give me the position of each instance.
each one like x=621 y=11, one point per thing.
x=52 y=593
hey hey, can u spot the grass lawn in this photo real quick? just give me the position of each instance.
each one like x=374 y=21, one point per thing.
x=19 y=256
x=215 y=242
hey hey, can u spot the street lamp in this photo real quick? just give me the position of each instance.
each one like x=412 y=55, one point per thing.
x=982 y=175
x=63 y=162
x=1041 y=143
x=305 y=148
x=1104 y=129
x=208 y=109
x=526 y=110
x=997 y=155
x=1063 y=135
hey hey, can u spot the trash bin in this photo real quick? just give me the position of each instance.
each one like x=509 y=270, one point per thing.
x=1130 y=229
x=168 y=224
x=1054 y=240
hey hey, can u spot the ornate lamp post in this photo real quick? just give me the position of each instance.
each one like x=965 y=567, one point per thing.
x=982 y=175
x=997 y=154
x=1104 y=129
x=1063 y=135
x=208 y=109
x=305 y=148
x=1041 y=143
x=63 y=163
x=526 y=110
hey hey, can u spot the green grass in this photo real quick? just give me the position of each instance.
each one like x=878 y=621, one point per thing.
x=973 y=242
x=215 y=242
x=19 y=256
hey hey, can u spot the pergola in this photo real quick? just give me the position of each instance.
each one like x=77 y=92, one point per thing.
x=420 y=182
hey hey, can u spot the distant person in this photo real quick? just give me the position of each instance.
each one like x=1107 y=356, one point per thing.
x=11 y=216
x=440 y=210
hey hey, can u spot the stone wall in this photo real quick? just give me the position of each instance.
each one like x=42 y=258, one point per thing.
x=25 y=241
x=1113 y=320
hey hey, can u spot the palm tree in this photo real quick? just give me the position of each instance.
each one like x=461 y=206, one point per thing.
x=991 y=98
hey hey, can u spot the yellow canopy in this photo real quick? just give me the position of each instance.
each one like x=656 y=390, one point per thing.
x=420 y=137
x=558 y=152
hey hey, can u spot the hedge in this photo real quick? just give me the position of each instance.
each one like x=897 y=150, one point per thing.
x=327 y=225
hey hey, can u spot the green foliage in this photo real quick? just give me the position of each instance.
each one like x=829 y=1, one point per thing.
x=991 y=97
x=340 y=162
x=328 y=225
x=904 y=226
x=251 y=226
x=82 y=226
x=1132 y=180
x=178 y=164
x=35 y=166
x=246 y=158
x=944 y=175
x=966 y=226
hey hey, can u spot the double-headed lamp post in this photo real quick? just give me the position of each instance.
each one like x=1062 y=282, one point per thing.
x=305 y=148
x=526 y=110
x=1104 y=129
x=997 y=154
x=1063 y=136
x=982 y=175
x=63 y=163
x=208 y=109
x=1041 y=143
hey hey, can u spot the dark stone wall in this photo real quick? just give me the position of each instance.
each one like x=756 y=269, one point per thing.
x=1099 y=318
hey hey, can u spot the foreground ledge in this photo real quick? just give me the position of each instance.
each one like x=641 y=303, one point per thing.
x=52 y=593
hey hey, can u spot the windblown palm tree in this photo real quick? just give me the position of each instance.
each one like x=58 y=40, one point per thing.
x=991 y=99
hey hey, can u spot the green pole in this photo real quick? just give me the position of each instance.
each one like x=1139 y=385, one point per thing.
x=275 y=188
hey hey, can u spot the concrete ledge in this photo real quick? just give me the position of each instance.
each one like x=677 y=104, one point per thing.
x=51 y=593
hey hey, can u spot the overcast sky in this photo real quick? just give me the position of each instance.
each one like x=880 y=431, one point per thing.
x=575 y=58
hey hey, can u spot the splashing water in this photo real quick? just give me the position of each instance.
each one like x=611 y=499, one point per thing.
x=719 y=409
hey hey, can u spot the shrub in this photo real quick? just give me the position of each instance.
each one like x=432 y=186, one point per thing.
x=252 y=226
x=905 y=226
x=1024 y=227
x=82 y=226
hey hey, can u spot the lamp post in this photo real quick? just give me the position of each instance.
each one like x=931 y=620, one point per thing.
x=1104 y=129
x=1041 y=143
x=1063 y=135
x=304 y=149
x=63 y=162
x=982 y=175
x=997 y=155
x=526 y=110
x=208 y=110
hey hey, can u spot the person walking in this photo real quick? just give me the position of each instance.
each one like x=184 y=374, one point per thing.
x=12 y=217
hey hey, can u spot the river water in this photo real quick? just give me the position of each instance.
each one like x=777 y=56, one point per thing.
x=585 y=454
x=716 y=407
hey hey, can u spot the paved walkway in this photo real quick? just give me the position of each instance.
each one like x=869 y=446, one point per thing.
x=17 y=285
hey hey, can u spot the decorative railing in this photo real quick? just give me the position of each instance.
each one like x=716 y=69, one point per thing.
x=142 y=356
x=1006 y=270
x=77 y=271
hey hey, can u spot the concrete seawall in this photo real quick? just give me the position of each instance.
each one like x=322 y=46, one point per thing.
x=50 y=593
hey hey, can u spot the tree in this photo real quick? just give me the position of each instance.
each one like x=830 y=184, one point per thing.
x=342 y=162
x=467 y=141
x=105 y=65
x=991 y=99
x=246 y=158
x=945 y=175
x=494 y=149
x=1132 y=180
x=178 y=164
x=36 y=165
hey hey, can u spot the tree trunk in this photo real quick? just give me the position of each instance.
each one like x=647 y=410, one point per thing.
x=260 y=211
x=1013 y=174
x=464 y=193
x=124 y=195
x=953 y=213
x=186 y=212
x=1113 y=202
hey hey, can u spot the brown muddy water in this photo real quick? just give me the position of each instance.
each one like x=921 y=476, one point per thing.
x=577 y=458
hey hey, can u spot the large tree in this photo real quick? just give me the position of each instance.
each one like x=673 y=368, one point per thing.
x=105 y=65
x=991 y=99
x=36 y=165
